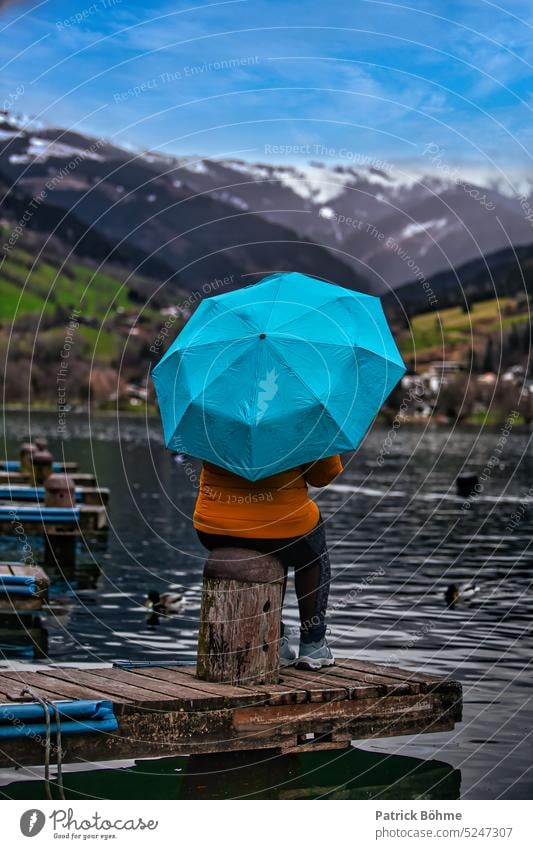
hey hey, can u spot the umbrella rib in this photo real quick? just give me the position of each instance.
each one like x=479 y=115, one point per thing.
x=208 y=385
x=341 y=297
x=265 y=327
x=355 y=346
x=315 y=308
x=213 y=343
x=236 y=314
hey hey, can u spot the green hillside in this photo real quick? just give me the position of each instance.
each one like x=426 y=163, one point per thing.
x=40 y=292
x=452 y=334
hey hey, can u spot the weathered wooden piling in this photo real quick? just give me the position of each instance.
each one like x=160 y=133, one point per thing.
x=60 y=491
x=41 y=466
x=60 y=549
x=238 y=641
x=27 y=449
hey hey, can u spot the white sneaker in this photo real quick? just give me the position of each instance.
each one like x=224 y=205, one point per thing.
x=287 y=656
x=314 y=655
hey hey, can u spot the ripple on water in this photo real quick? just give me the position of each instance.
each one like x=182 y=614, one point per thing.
x=398 y=534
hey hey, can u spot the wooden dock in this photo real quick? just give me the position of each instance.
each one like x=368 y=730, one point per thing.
x=62 y=468
x=9 y=602
x=79 y=478
x=52 y=521
x=90 y=495
x=165 y=711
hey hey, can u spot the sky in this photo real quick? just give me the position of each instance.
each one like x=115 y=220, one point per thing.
x=280 y=80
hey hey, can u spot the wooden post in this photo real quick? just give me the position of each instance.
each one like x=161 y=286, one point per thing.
x=27 y=449
x=60 y=549
x=41 y=466
x=59 y=491
x=238 y=642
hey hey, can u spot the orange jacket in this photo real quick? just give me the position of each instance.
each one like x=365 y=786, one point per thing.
x=276 y=507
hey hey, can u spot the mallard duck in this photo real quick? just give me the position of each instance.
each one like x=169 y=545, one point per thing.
x=165 y=603
x=460 y=592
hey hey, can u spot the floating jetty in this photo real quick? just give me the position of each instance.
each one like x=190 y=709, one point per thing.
x=235 y=698
x=51 y=520
x=167 y=710
x=38 y=497
x=35 y=494
x=83 y=479
x=15 y=466
x=36 y=463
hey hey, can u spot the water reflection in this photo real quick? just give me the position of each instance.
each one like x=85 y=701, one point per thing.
x=353 y=774
x=399 y=537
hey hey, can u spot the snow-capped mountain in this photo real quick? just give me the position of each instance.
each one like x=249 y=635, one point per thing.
x=387 y=225
x=369 y=227
x=141 y=211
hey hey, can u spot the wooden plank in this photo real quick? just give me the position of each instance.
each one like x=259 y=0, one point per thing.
x=385 y=684
x=322 y=717
x=426 y=681
x=114 y=690
x=93 y=517
x=94 y=495
x=317 y=691
x=10 y=689
x=42 y=683
x=269 y=693
x=175 y=695
x=355 y=689
x=223 y=695
x=284 y=694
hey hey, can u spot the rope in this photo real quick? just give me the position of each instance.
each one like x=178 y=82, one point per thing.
x=46 y=704
x=59 y=761
x=47 y=740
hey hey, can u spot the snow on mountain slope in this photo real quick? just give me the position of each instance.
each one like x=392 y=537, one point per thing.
x=384 y=222
x=380 y=221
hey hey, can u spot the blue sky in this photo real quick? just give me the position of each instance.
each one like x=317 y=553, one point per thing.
x=263 y=79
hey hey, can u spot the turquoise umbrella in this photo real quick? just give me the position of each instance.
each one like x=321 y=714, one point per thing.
x=277 y=374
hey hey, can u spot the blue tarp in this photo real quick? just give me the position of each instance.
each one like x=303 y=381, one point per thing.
x=17 y=585
x=28 y=493
x=67 y=515
x=14 y=466
x=19 y=651
x=78 y=717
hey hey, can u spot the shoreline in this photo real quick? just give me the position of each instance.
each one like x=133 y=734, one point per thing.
x=481 y=420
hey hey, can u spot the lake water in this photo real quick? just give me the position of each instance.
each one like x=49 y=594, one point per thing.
x=398 y=535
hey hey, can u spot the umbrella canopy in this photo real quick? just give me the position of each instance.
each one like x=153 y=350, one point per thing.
x=277 y=374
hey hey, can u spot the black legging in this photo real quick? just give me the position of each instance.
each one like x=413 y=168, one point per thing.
x=309 y=557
